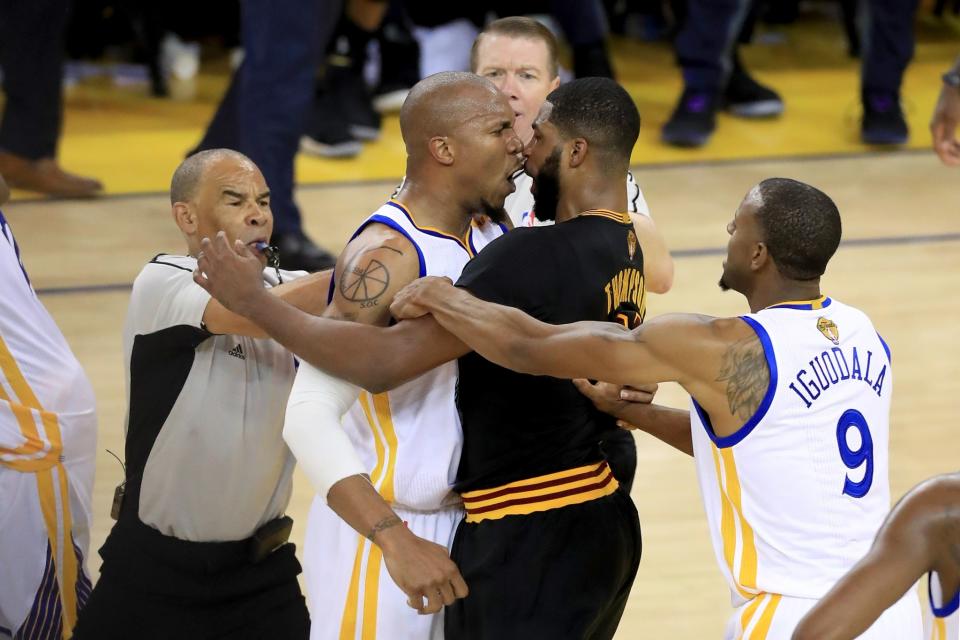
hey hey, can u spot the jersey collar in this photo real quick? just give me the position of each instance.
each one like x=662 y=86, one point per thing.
x=803 y=305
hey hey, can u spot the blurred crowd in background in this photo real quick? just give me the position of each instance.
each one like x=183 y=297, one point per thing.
x=316 y=76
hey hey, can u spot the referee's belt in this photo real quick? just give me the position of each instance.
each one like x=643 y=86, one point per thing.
x=542 y=493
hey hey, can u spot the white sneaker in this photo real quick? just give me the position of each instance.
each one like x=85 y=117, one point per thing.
x=179 y=59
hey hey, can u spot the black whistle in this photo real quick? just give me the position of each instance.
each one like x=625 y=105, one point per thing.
x=271 y=252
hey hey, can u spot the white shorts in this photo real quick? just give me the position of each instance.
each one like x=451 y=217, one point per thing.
x=774 y=617
x=350 y=593
x=44 y=536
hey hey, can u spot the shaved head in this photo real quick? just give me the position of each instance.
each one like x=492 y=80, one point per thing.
x=439 y=104
x=188 y=175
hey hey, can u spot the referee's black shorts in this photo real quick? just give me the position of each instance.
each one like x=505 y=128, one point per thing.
x=154 y=586
x=561 y=573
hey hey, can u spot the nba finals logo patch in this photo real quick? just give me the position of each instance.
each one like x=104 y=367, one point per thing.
x=631 y=243
x=829 y=330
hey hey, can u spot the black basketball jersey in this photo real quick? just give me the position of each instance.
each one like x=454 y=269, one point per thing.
x=517 y=426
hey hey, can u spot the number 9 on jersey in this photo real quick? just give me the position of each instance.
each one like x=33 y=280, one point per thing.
x=854 y=458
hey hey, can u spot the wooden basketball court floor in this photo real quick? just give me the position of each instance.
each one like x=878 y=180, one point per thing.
x=900 y=260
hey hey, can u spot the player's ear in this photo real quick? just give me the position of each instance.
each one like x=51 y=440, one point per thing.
x=578 y=152
x=441 y=150
x=760 y=256
x=185 y=216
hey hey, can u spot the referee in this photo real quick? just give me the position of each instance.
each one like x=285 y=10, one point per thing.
x=200 y=546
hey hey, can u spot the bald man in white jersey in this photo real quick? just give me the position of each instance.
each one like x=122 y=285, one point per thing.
x=48 y=436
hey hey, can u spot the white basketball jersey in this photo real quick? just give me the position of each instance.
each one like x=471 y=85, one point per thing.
x=795 y=497
x=410 y=438
x=43 y=390
x=943 y=613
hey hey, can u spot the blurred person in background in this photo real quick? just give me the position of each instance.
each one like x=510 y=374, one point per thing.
x=417 y=39
x=265 y=109
x=714 y=79
x=31 y=58
x=946 y=118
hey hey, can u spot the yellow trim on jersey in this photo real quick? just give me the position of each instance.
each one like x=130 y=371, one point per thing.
x=748 y=556
x=816 y=303
x=377 y=442
x=939 y=628
x=70 y=570
x=348 y=623
x=381 y=404
x=569 y=487
x=766 y=618
x=747 y=616
x=623 y=218
x=371 y=591
x=464 y=241
x=558 y=475
x=55 y=508
x=50 y=446
x=731 y=515
x=767 y=604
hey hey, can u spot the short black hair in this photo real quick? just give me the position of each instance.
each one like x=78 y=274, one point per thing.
x=801 y=227
x=600 y=111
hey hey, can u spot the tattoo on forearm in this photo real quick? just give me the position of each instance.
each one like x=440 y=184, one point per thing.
x=744 y=368
x=365 y=281
x=386 y=523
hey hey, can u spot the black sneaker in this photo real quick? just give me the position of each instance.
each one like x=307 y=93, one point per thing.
x=399 y=66
x=328 y=133
x=299 y=253
x=350 y=92
x=883 y=121
x=747 y=98
x=693 y=121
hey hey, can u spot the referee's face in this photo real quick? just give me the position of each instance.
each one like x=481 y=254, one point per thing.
x=233 y=198
x=520 y=68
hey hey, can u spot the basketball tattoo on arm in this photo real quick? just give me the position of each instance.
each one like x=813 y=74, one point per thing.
x=366 y=278
x=744 y=368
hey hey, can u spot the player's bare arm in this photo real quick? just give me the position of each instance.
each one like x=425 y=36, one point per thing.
x=945 y=122
x=667 y=424
x=657 y=262
x=307 y=293
x=343 y=349
x=422 y=569
x=719 y=361
x=744 y=376
x=920 y=535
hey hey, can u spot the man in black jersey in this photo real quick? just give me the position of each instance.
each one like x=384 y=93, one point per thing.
x=549 y=547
